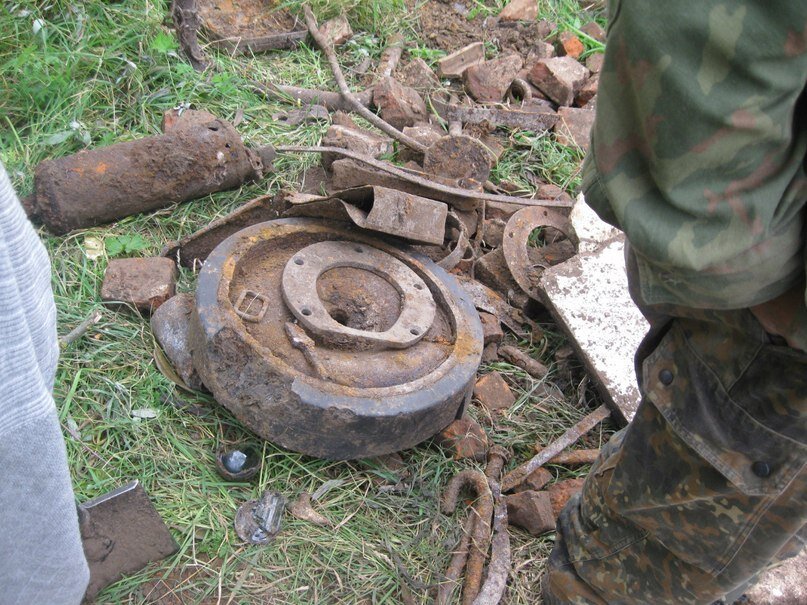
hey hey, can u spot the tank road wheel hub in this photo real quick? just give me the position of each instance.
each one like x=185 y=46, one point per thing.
x=330 y=342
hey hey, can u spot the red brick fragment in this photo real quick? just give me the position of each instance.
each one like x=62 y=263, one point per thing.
x=493 y=393
x=399 y=105
x=465 y=439
x=559 y=78
x=487 y=82
x=559 y=493
x=574 y=127
x=532 y=511
x=570 y=45
x=491 y=328
x=145 y=283
x=519 y=10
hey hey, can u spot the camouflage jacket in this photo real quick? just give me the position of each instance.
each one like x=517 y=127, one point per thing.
x=698 y=151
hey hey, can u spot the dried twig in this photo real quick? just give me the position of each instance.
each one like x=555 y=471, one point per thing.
x=514 y=478
x=333 y=101
x=79 y=330
x=186 y=21
x=368 y=115
x=426 y=183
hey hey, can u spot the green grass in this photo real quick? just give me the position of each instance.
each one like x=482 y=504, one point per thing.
x=98 y=72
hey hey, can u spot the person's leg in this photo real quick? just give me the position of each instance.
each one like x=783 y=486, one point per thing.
x=707 y=484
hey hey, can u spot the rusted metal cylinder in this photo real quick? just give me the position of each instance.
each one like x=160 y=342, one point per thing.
x=198 y=155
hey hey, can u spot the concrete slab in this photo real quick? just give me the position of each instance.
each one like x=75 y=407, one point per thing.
x=588 y=296
x=782 y=585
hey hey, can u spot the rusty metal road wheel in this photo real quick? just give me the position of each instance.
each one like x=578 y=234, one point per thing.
x=330 y=342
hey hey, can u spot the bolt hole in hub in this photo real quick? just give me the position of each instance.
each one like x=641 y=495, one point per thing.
x=383 y=349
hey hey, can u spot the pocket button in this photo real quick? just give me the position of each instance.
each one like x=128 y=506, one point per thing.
x=761 y=469
x=666 y=377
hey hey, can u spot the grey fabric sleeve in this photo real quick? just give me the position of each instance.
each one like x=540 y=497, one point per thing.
x=41 y=556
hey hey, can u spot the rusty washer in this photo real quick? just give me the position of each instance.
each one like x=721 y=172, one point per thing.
x=328 y=341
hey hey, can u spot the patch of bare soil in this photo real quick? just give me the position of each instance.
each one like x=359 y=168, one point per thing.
x=445 y=25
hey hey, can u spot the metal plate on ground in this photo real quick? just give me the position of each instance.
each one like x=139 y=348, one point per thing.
x=326 y=397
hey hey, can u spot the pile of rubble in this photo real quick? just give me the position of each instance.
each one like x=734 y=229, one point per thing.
x=348 y=319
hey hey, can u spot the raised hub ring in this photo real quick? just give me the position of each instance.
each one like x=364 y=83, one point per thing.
x=304 y=269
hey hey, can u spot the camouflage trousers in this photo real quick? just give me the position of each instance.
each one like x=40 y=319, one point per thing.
x=708 y=485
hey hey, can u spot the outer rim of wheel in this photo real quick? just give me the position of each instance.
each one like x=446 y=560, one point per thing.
x=309 y=414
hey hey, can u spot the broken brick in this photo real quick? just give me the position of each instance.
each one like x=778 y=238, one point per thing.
x=145 y=283
x=493 y=393
x=532 y=511
x=542 y=50
x=337 y=30
x=355 y=139
x=559 y=493
x=490 y=354
x=519 y=10
x=465 y=438
x=491 y=328
x=487 y=82
x=594 y=30
x=588 y=91
x=570 y=45
x=455 y=64
x=573 y=129
x=594 y=62
x=418 y=75
x=398 y=105
x=536 y=480
x=559 y=78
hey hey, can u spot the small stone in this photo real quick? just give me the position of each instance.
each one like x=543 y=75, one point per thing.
x=337 y=30
x=145 y=283
x=465 y=438
x=532 y=511
x=519 y=10
x=573 y=129
x=487 y=82
x=493 y=393
x=570 y=45
x=491 y=328
x=169 y=324
x=399 y=105
x=490 y=354
x=559 y=78
x=559 y=493
x=494 y=232
x=594 y=62
x=594 y=30
x=355 y=139
x=453 y=65
x=536 y=480
x=418 y=75
x=542 y=50
x=588 y=92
